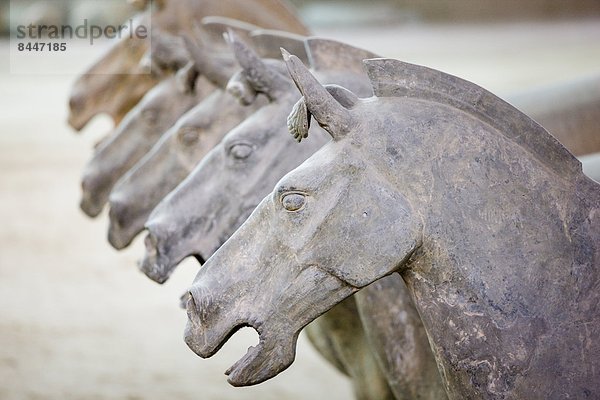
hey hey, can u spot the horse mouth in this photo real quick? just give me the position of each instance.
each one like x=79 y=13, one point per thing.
x=158 y=263
x=261 y=362
x=153 y=264
x=272 y=355
x=90 y=207
x=200 y=339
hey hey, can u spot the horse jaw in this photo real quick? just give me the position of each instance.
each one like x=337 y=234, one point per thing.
x=274 y=353
x=158 y=264
x=216 y=312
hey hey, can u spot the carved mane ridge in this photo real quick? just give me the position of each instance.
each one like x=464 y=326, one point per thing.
x=394 y=78
x=327 y=54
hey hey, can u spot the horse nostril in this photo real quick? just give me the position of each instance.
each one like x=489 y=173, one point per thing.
x=190 y=304
x=192 y=309
x=183 y=300
x=193 y=336
x=154 y=264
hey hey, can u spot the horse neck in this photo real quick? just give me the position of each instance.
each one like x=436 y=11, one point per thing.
x=510 y=252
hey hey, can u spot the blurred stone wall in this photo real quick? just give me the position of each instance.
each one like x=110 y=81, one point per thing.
x=500 y=10
x=476 y=10
x=336 y=11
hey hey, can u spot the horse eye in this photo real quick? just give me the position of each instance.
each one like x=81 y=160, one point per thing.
x=241 y=151
x=188 y=136
x=293 y=201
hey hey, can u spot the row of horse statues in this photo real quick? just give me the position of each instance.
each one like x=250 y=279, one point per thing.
x=433 y=240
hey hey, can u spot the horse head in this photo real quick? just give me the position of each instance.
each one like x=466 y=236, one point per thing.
x=323 y=186
x=179 y=149
x=172 y=158
x=294 y=250
x=114 y=84
x=233 y=169
x=132 y=138
x=232 y=179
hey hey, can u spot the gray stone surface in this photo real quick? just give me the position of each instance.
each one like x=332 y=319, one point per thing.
x=488 y=219
x=202 y=212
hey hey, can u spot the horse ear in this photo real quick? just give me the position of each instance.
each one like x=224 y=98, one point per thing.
x=186 y=78
x=260 y=76
x=330 y=113
x=267 y=43
x=344 y=96
x=215 y=27
x=298 y=121
x=328 y=55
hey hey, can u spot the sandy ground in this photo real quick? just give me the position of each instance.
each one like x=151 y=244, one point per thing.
x=78 y=320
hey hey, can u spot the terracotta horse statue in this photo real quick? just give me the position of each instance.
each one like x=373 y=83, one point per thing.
x=228 y=183
x=158 y=110
x=182 y=147
x=488 y=219
x=144 y=125
x=116 y=81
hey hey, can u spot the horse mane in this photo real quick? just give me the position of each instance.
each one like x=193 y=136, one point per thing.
x=214 y=27
x=394 y=78
x=218 y=25
x=326 y=54
x=267 y=43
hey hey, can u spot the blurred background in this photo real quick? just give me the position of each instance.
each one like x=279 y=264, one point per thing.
x=317 y=12
x=79 y=321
